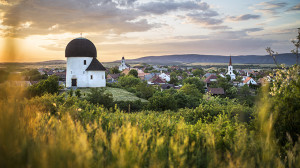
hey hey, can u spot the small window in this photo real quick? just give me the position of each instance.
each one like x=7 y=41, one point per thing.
x=91 y=76
x=71 y=72
x=83 y=72
x=102 y=77
x=84 y=62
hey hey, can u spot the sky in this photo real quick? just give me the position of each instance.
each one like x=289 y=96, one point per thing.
x=39 y=30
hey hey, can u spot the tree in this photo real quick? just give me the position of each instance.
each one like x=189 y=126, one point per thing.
x=285 y=100
x=232 y=92
x=114 y=70
x=99 y=97
x=133 y=72
x=128 y=81
x=190 y=89
x=296 y=44
x=184 y=75
x=49 y=85
x=245 y=91
x=239 y=79
x=162 y=101
x=271 y=53
x=196 y=81
x=70 y=92
x=173 y=81
x=198 y=72
x=78 y=93
x=33 y=75
x=143 y=90
x=222 y=83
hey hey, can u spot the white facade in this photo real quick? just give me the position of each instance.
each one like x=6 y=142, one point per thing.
x=76 y=71
x=230 y=72
x=248 y=80
x=165 y=77
x=123 y=65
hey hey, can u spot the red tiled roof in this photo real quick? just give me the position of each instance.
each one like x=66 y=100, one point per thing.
x=247 y=79
x=216 y=91
x=207 y=80
x=113 y=76
x=158 y=80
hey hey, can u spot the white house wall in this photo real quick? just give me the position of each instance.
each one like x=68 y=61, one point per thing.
x=76 y=70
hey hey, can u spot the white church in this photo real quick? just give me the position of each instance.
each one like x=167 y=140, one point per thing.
x=123 y=65
x=83 y=68
x=230 y=70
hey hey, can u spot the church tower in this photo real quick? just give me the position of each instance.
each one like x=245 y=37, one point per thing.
x=83 y=67
x=230 y=70
x=123 y=65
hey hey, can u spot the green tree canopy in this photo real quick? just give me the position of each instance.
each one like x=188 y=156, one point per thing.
x=190 y=89
x=114 y=70
x=195 y=81
x=128 y=81
x=143 y=90
x=198 y=72
x=162 y=101
x=99 y=97
x=49 y=85
x=133 y=72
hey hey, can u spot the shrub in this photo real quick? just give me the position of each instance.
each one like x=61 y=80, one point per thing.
x=98 y=97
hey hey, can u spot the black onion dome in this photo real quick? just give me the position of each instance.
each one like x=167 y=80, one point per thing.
x=81 y=47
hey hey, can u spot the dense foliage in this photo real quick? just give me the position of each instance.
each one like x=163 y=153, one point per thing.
x=49 y=85
x=66 y=131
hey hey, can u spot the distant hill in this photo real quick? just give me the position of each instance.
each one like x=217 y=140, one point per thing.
x=286 y=58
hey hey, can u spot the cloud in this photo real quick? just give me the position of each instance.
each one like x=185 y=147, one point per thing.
x=295 y=8
x=244 y=17
x=253 y=29
x=95 y=16
x=207 y=19
x=168 y=6
x=101 y=16
x=270 y=7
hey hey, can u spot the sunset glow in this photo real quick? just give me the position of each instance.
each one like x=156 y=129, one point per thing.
x=39 y=30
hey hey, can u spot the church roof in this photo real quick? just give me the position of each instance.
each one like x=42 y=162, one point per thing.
x=95 y=65
x=80 y=47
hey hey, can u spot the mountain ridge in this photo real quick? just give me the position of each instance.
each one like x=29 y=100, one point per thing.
x=284 y=58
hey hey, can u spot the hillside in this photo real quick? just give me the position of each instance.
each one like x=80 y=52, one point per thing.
x=286 y=58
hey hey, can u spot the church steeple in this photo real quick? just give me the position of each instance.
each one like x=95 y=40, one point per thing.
x=230 y=70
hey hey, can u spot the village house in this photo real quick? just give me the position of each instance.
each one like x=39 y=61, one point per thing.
x=215 y=91
x=210 y=79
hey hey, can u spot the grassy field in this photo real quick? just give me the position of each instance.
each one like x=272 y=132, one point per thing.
x=118 y=94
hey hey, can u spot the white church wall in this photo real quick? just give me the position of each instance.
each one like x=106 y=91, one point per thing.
x=76 y=70
x=97 y=80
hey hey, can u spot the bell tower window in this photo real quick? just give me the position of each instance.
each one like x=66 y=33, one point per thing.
x=84 y=62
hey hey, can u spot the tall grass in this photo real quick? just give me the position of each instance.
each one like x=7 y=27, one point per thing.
x=54 y=131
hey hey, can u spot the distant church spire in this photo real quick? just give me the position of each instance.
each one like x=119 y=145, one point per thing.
x=230 y=61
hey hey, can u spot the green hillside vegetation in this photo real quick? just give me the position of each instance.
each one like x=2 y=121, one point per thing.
x=60 y=130
x=118 y=94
